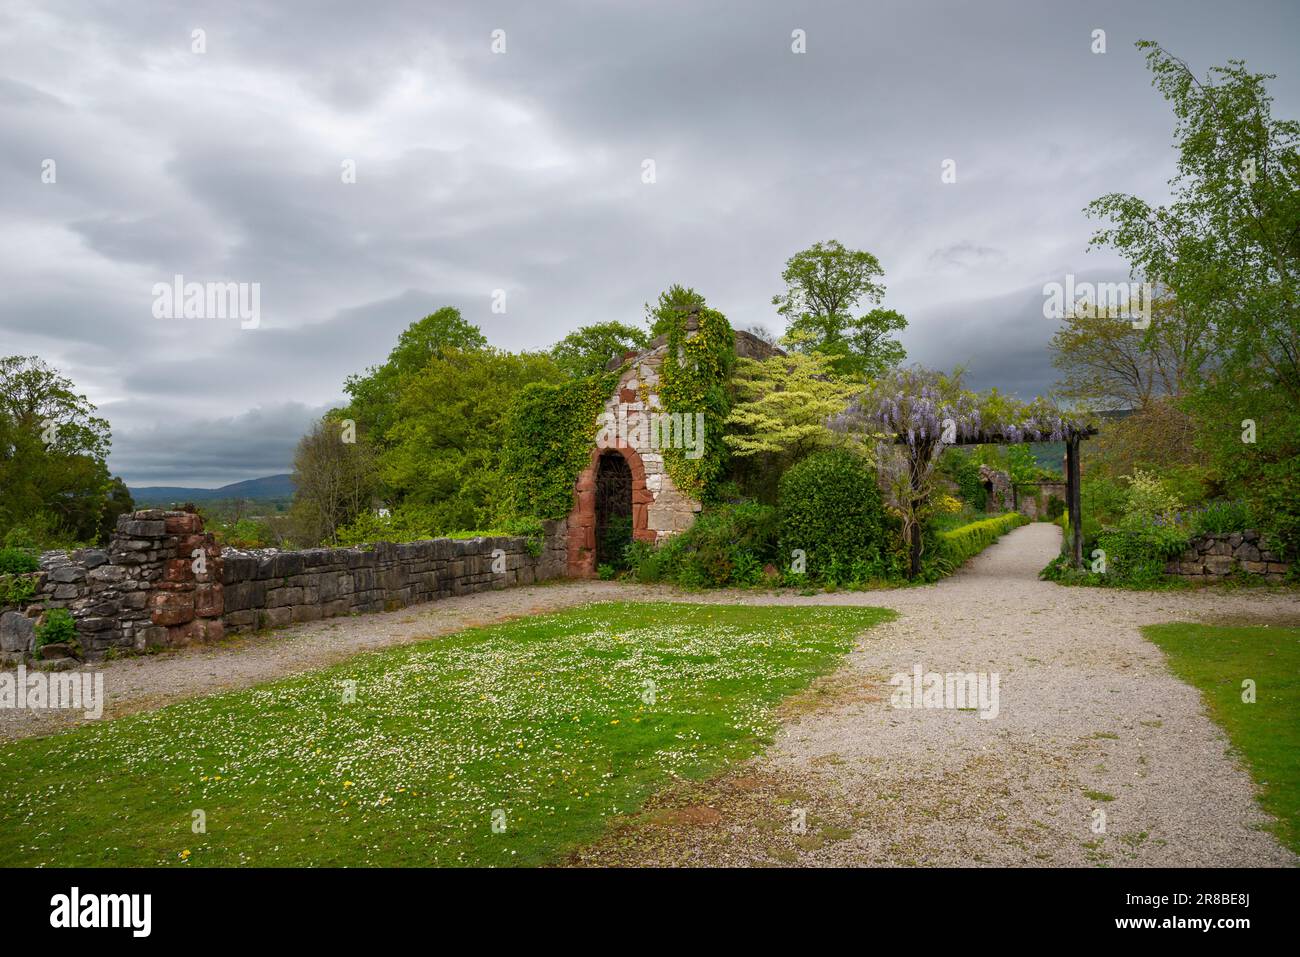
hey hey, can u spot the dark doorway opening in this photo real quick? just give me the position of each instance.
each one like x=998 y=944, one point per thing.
x=613 y=509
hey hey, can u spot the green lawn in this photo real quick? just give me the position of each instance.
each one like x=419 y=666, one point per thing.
x=558 y=721
x=1267 y=733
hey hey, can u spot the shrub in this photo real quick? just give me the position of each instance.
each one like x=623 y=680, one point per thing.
x=17 y=561
x=57 y=627
x=243 y=533
x=727 y=545
x=830 y=508
x=40 y=531
x=963 y=468
x=1055 y=507
x=16 y=589
x=1219 y=517
x=1149 y=498
x=1136 y=551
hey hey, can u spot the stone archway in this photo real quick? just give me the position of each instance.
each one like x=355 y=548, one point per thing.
x=585 y=522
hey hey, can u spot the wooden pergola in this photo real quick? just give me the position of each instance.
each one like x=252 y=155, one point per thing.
x=1073 y=436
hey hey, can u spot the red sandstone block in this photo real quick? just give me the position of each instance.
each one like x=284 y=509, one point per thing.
x=187 y=524
x=177 y=570
x=172 y=607
x=178 y=636
x=209 y=601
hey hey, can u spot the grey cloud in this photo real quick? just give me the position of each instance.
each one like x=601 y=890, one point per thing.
x=251 y=444
x=521 y=172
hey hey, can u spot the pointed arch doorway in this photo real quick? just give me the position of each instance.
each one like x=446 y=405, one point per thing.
x=611 y=489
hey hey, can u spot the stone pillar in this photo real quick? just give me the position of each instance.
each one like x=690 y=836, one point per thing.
x=186 y=601
x=156 y=585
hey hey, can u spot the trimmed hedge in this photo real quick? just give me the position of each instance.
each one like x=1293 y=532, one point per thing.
x=961 y=544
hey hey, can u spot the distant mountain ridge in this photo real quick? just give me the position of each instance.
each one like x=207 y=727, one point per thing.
x=267 y=487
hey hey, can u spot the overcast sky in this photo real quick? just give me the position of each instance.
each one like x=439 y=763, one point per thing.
x=478 y=171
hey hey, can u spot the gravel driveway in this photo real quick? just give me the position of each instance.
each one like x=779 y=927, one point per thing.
x=1088 y=711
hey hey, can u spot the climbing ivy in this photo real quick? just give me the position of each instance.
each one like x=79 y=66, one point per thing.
x=548 y=442
x=694 y=378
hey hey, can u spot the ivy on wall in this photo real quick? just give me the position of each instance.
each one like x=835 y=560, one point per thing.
x=548 y=442
x=694 y=378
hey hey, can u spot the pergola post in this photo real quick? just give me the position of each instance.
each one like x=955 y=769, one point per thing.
x=1073 y=497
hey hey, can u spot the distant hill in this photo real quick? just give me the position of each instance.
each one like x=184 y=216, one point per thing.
x=258 y=489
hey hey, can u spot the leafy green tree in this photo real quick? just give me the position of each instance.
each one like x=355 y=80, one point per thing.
x=695 y=379
x=1227 y=247
x=444 y=451
x=1108 y=363
x=53 y=451
x=334 y=476
x=824 y=285
x=375 y=394
x=588 y=350
x=117 y=501
x=782 y=405
x=675 y=302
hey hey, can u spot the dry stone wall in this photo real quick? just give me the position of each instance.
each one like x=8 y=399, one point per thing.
x=267 y=588
x=163 y=582
x=1216 y=555
x=156 y=585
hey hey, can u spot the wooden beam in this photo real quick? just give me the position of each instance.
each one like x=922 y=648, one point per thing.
x=997 y=438
x=1072 y=490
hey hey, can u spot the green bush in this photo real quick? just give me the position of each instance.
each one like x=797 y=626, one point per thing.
x=414 y=523
x=830 y=508
x=1137 y=550
x=16 y=589
x=1055 y=507
x=727 y=545
x=17 y=561
x=1219 y=518
x=41 y=531
x=57 y=627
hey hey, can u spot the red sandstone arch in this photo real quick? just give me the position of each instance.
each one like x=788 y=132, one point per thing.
x=582 y=519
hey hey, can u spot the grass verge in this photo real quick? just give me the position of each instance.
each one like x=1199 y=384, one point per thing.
x=1217 y=660
x=546 y=726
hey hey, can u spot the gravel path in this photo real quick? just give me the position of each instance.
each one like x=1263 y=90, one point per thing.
x=1087 y=706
